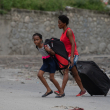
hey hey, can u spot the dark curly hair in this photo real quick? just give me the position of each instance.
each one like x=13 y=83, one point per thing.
x=64 y=19
x=37 y=34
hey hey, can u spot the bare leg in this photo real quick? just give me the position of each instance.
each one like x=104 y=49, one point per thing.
x=54 y=81
x=77 y=78
x=40 y=75
x=65 y=78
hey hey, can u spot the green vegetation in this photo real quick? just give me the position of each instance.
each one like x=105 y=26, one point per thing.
x=51 y=5
x=90 y=4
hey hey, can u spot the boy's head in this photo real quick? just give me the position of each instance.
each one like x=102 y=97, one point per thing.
x=37 y=38
x=63 y=20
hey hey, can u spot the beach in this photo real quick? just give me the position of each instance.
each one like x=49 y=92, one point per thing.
x=20 y=87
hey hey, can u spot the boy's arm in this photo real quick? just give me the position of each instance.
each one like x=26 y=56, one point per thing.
x=49 y=50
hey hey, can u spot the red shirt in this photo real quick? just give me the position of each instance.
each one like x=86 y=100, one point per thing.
x=67 y=43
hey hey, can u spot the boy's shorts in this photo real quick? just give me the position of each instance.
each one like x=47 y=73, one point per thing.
x=49 y=65
x=74 y=61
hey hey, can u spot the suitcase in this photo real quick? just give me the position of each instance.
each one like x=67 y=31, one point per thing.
x=94 y=80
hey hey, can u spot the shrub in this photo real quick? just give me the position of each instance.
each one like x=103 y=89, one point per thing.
x=51 y=5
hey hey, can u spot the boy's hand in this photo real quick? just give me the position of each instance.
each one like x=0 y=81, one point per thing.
x=47 y=48
x=71 y=60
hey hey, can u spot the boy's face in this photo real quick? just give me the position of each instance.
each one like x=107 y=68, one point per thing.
x=37 y=40
x=61 y=24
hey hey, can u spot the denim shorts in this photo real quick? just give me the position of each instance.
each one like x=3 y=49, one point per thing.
x=74 y=61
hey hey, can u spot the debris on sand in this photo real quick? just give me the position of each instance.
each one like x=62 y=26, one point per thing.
x=68 y=107
x=22 y=83
x=77 y=109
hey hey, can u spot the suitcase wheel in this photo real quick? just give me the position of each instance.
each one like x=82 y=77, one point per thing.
x=105 y=95
x=91 y=95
